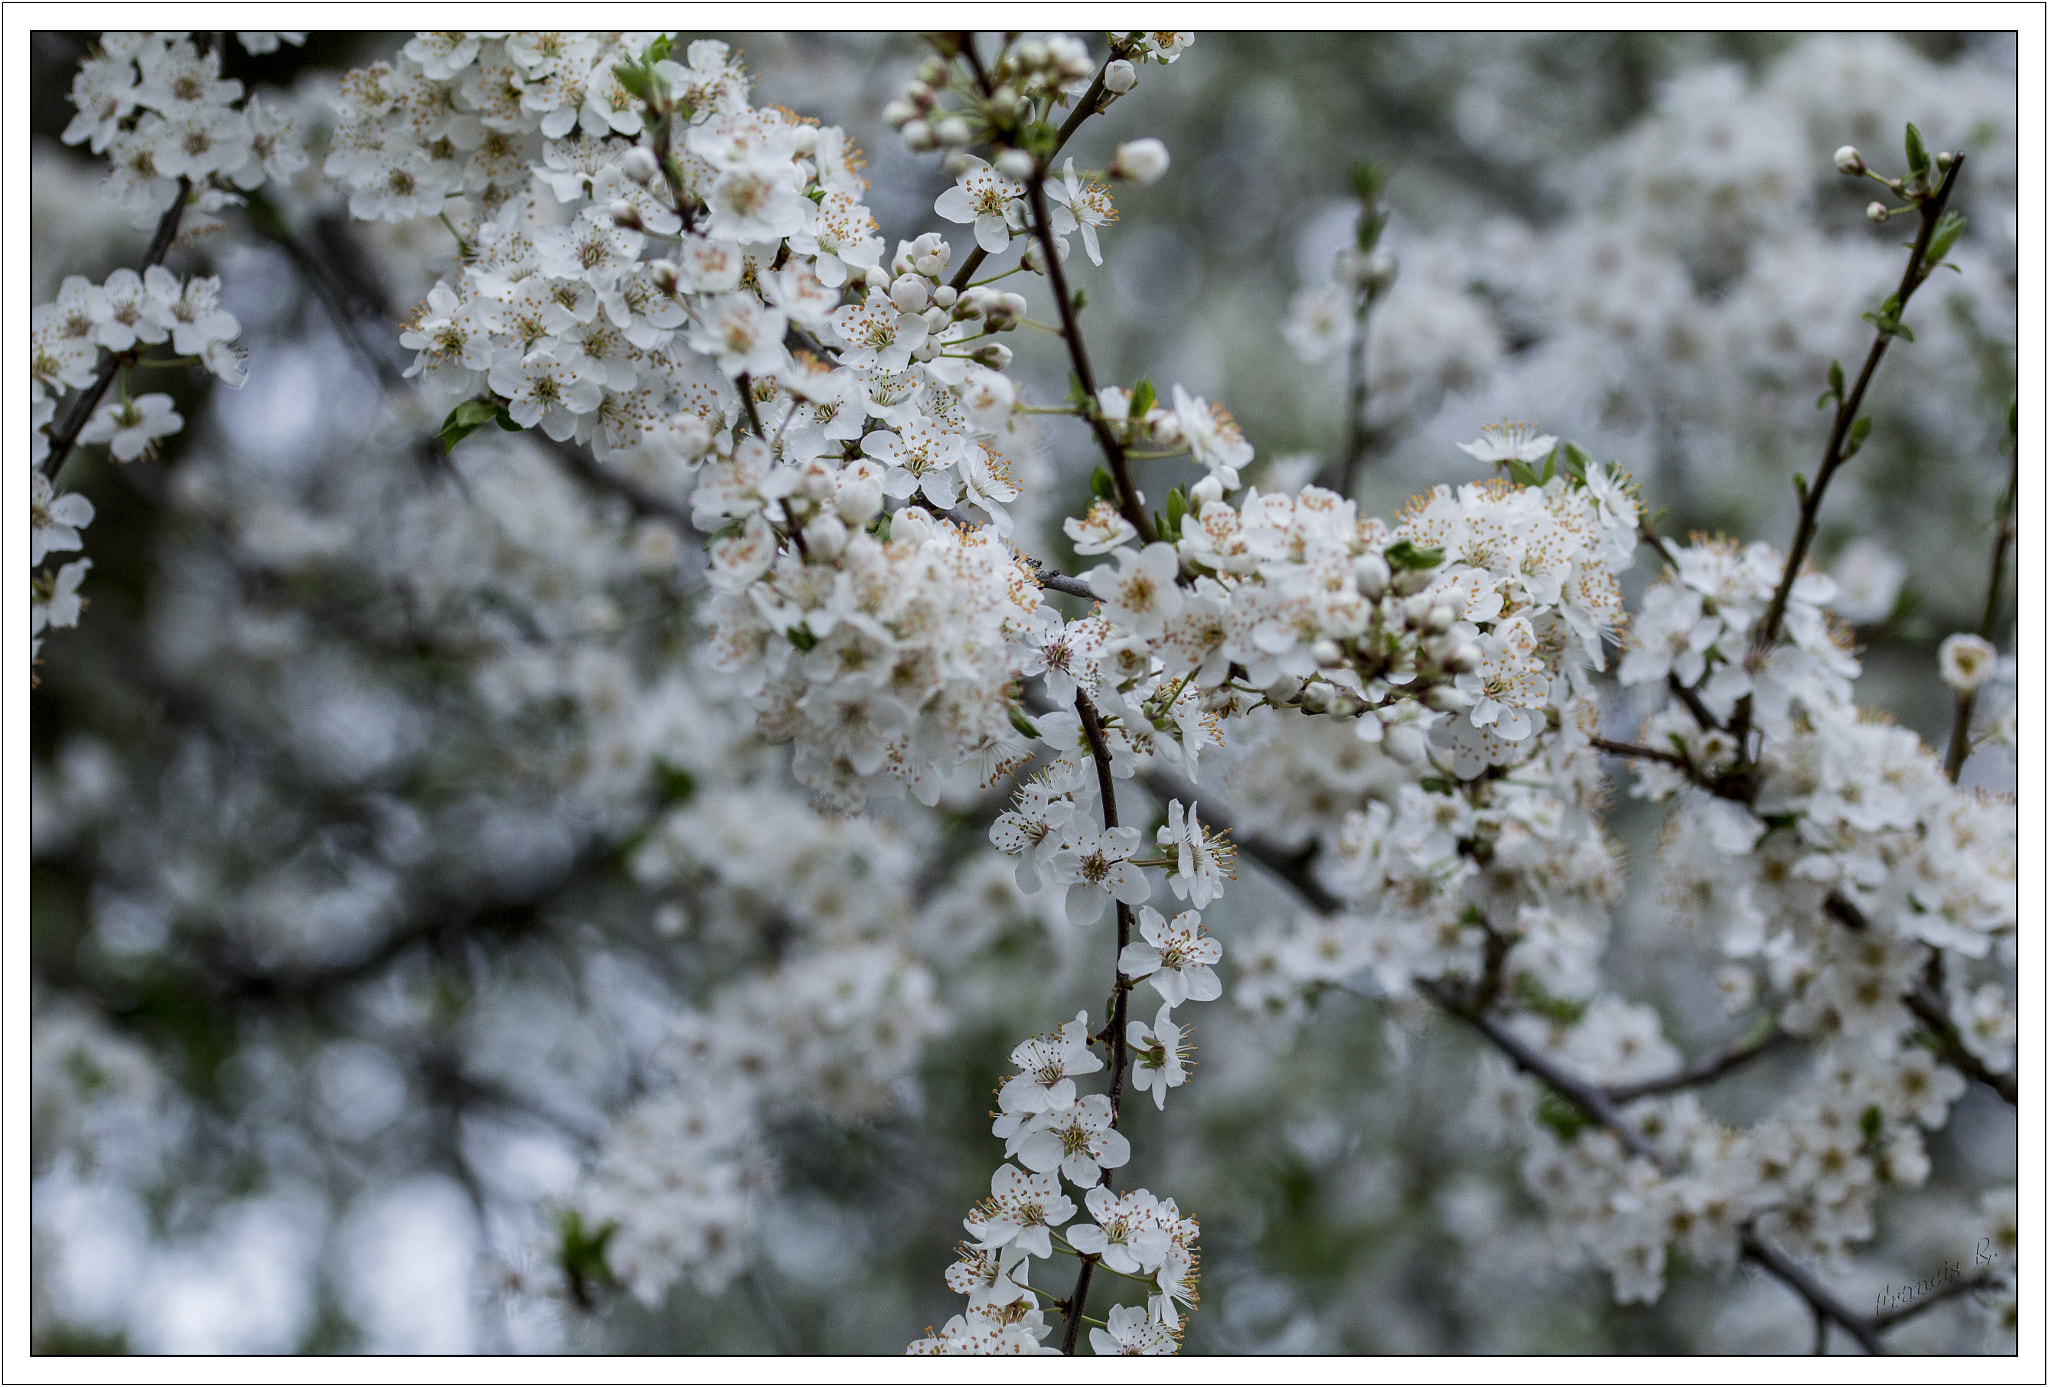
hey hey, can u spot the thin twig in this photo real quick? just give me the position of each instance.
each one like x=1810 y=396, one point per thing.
x=1966 y=703
x=1706 y=1070
x=1953 y=1289
x=1846 y=409
x=1098 y=747
x=1077 y=353
x=65 y=435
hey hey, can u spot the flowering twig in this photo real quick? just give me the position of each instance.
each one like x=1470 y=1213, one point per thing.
x=65 y=435
x=1077 y=353
x=1843 y=438
x=1098 y=749
x=1966 y=703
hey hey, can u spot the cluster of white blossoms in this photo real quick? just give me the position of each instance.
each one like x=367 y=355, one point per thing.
x=156 y=106
x=1055 y=1132
x=642 y=265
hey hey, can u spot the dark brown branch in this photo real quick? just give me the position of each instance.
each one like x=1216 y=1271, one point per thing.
x=1966 y=703
x=1643 y=753
x=1098 y=748
x=1077 y=353
x=1704 y=1071
x=1953 y=1289
x=1819 y=1297
x=1838 y=451
x=65 y=436
x=1691 y=699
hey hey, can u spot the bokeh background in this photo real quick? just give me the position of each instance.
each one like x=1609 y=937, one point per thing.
x=344 y=959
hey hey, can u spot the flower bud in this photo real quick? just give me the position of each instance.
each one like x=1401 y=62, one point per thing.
x=1120 y=76
x=1210 y=488
x=898 y=114
x=950 y=131
x=1943 y=160
x=1877 y=211
x=1440 y=617
x=1848 y=160
x=805 y=139
x=1141 y=161
x=1966 y=662
x=1463 y=660
x=1444 y=698
x=917 y=134
x=639 y=164
x=1371 y=573
x=1283 y=688
x=995 y=356
x=625 y=215
x=1327 y=652
x=1031 y=54
x=1419 y=607
x=945 y=296
x=956 y=162
x=1316 y=698
x=1016 y=163
x=825 y=536
x=910 y=293
x=1412 y=580
x=664 y=274
x=858 y=499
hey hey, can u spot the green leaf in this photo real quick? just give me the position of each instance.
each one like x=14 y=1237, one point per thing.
x=507 y=422
x=657 y=50
x=816 y=195
x=1901 y=330
x=1916 y=150
x=1080 y=295
x=1023 y=724
x=1946 y=232
x=1560 y=1116
x=1367 y=180
x=1403 y=554
x=1436 y=784
x=1522 y=472
x=1872 y=1122
x=466 y=418
x=1859 y=430
x=1143 y=397
x=1102 y=484
x=1550 y=465
x=800 y=636
x=636 y=79
x=1176 y=507
x=1837 y=382
x=1576 y=461
x=879 y=527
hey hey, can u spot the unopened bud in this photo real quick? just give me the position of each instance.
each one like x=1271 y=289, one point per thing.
x=1848 y=160
x=626 y=215
x=917 y=134
x=825 y=536
x=1283 y=688
x=1419 y=607
x=1327 y=652
x=1031 y=54
x=1016 y=163
x=952 y=132
x=910 y=293
x=1210 y=488
x=664 y=274
x=1120 y=76
x=1141 y=161
x=995 y=356
x=1441 y=616
x=956 y=162
x=1316 y=698
x=639 y=164
x=1371 y=573
x=1463 y=660
x=1877 y=211
x=1943 y=160
x=1412 y=580
x=1966 y=662
x=945 y=296
x=898 y=114
x=1444 y=698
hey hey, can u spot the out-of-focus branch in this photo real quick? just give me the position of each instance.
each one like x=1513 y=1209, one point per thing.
x=1706 y=1070
x=1966 y=703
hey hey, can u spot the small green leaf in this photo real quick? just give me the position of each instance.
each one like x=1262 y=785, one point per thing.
x=816 y=195
x=1367 y=179
x=1859 y=430
x=466 y=418
x=1576 y=461
x=1837 y=382
x=1872 y=1121
x=800 y=636
x=1403 y=554
x=1899 y=329
x=1916 y=150
x=1549 y=465
x=507 y=422
x=1080 y=295
x=1522 y=472
x=1023 y=724
x=879 y=528
x=1102 y=484
x=1560 y=1116
x=636 y=79
x=1946 y=233
x=1436 y=784
x=657 y=50
x=1143 y=397
x=1176 y=507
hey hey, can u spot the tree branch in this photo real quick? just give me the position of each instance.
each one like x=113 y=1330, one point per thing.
x=65 y=436
x=1706 y=1070
x=1966 y=703
x=1077 y=353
